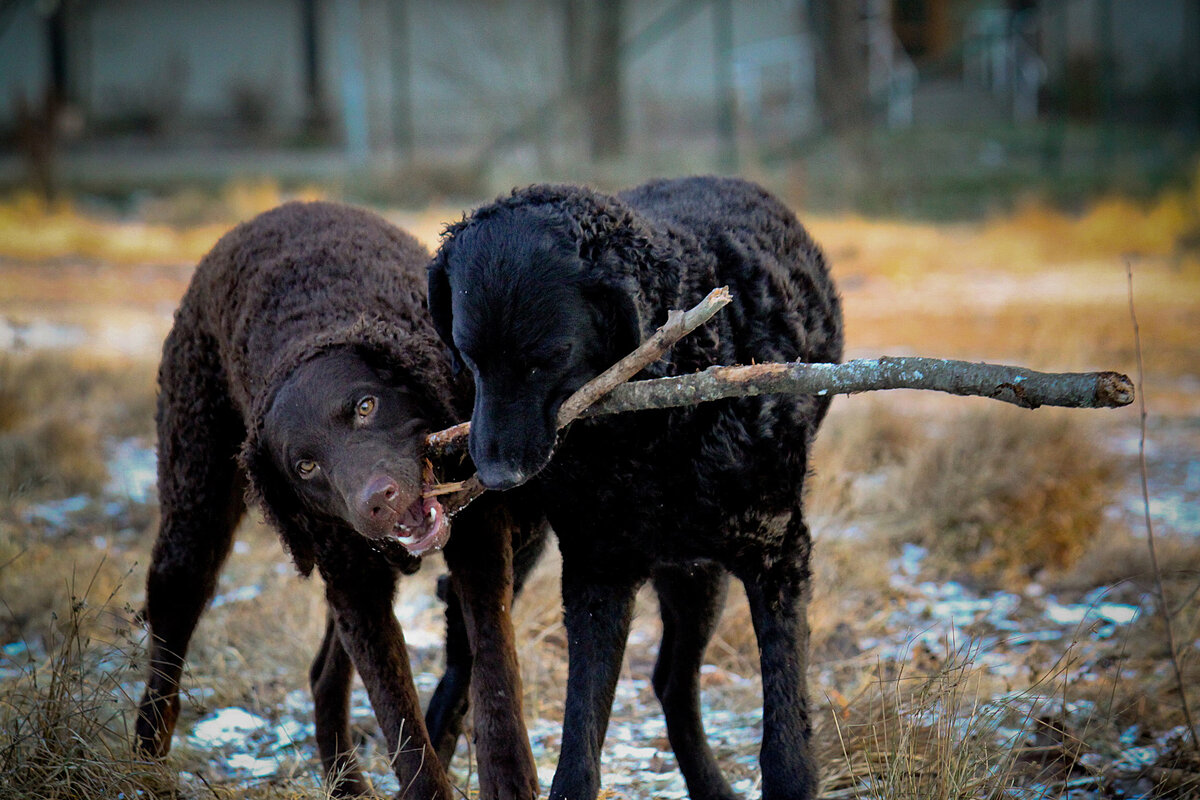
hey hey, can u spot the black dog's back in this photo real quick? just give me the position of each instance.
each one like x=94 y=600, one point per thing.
x=786 y=305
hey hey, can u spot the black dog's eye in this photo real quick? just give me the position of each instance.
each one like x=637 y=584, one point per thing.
x=307 y=468
x=547 y=360
x=366 y=406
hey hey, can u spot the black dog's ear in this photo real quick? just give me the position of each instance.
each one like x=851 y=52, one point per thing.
x=440 y=309
x=616 y=315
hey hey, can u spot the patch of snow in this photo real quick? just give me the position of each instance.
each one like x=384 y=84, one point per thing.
x=132 y=470
x=238 y=595
x=253 y=767
x=225 y=727
x=1135 y=758
x=14 y=649
x=425 y=681
x=56 y=514
x=909 y=562
x=424 y=638
x=1173 y=508
x=627 y=752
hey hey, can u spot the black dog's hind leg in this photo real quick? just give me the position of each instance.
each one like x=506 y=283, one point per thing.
x=330 y=678
x=449 y=703
x=690 y=598
x=200 y=491
x=778 y=597
x=596 y=615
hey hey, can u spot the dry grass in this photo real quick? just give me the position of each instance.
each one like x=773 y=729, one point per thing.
x=53 y=408
x=996 y=494
x=1005 y=495
x=924 y=736
x=182 y=230
x=63 y=719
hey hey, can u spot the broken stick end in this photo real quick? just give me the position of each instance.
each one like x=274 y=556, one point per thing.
x=1113 y=390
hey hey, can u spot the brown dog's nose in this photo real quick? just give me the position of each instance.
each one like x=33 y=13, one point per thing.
x=378 y=497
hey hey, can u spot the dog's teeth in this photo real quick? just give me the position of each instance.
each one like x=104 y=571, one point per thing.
x=433 y=514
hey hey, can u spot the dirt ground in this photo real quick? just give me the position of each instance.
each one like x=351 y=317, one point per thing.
x=985 y=613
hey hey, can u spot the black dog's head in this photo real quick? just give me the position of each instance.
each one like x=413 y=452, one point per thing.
x=343 y=438
x=523 y=297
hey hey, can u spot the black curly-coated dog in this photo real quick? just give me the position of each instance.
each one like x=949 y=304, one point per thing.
x=539 y=292
x=303 y=373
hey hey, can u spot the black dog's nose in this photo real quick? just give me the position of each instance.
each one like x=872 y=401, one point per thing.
x=499 y=477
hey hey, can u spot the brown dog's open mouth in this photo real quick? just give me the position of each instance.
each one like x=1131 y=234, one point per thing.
x=422 y=528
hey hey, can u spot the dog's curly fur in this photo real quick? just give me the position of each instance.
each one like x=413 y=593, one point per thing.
x=301 y=283
x=541 y=290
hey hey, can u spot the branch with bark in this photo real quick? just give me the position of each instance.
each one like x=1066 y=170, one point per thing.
x=609 y=393
x=1016 y=385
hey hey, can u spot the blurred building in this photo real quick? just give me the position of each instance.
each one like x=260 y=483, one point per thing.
x=557 y=81
x=385 y=74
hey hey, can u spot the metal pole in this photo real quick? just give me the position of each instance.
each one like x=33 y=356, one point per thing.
x=725 y=96
x=353 y=80
x=402 y=73
x=1107 y=84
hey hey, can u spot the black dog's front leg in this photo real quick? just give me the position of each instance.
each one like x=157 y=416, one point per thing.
x=361 y=600
x=596 y=616
x=448 y=706
x=480 y=557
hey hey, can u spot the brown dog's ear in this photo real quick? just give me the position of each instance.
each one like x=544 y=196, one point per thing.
x=269 y=491
x=440 y=309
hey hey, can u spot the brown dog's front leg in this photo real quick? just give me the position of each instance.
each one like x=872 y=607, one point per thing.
x=362 y=605
x=481 y=566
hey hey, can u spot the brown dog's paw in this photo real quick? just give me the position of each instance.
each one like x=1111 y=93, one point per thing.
x=512 y=776
x=155 y=724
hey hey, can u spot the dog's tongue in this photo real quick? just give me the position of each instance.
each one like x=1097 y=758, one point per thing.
x=423 y=528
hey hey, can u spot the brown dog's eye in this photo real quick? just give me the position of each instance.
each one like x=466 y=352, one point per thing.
x=306 y=467
x=365 y=406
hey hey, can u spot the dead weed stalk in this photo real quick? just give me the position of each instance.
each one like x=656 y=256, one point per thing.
x=1163 y=605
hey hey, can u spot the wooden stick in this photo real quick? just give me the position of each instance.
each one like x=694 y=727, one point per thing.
x=609 y=393
x=678 y=325
x=1016 y=385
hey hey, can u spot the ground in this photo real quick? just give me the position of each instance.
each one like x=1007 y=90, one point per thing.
x=985 y=612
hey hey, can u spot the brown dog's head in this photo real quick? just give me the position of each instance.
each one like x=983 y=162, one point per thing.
x=339 y=443
x=350 y=444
